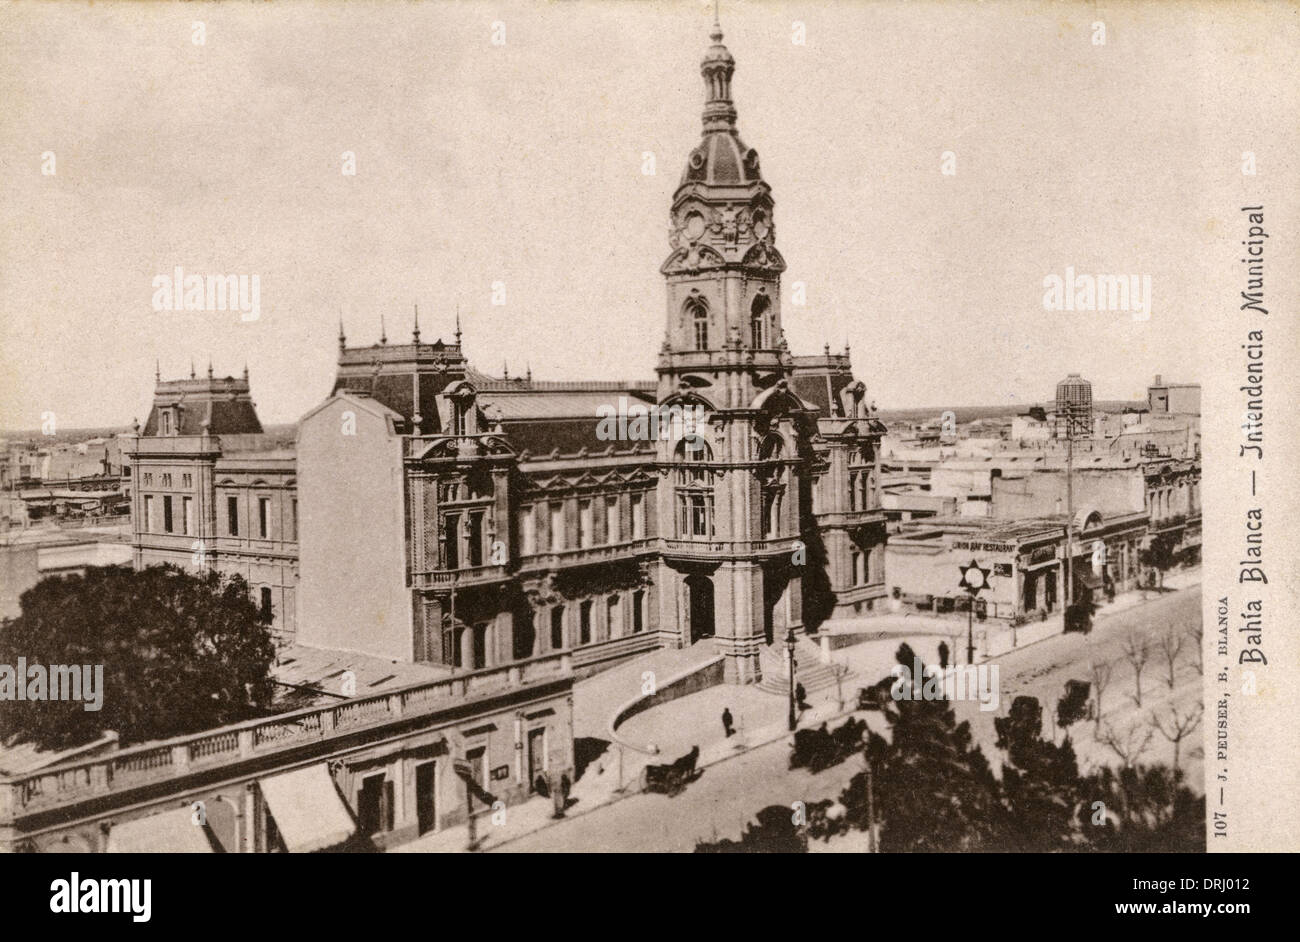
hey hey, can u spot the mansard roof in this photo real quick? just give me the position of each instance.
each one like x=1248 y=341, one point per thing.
x=220 y=405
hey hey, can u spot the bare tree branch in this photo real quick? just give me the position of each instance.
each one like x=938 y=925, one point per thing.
x=1178 y=726
x=1196 y=634
x=1171 y=646
x=1128 y=745
x=1137 y=650
x=1101 y=671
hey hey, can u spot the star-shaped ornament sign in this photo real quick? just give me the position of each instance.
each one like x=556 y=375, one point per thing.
x=974 y=578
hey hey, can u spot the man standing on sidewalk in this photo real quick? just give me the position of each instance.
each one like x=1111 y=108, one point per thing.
x=727 y=728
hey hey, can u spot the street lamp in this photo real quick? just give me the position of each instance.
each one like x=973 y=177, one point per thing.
x=974 y=579
x=790 y=666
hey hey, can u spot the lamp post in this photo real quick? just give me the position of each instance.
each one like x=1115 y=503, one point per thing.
x=790 y=666
x=974 y=579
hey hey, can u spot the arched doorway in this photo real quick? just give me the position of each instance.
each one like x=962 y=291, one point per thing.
x=699 y=590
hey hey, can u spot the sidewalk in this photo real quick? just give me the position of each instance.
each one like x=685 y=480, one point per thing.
x=760 y=718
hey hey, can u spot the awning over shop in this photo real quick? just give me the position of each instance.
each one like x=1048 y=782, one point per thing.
x=307 y=809
x=170 y=832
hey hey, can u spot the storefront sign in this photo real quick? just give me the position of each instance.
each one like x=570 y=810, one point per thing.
x=982 y=547
x=1039 y=554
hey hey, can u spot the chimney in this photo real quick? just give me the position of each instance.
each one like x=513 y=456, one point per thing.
x=1157 y=382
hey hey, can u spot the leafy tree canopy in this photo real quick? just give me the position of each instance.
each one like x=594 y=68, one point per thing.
x=181 y=652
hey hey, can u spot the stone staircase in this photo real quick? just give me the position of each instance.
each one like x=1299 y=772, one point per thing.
x=809 y=669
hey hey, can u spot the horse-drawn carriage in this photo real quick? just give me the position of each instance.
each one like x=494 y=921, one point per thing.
x=671 y=778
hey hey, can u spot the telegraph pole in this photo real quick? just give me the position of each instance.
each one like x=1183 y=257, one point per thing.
x=1074 y=410
x=1069 y=505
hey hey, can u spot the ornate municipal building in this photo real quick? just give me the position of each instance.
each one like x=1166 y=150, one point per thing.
x=428 y=512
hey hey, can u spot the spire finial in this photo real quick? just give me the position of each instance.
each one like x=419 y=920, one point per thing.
x=245 y=371
x=209 y=367
x=343 y=341
x=505 y=369
x=528 y=371
x=383 y=333
x=415 y=333
x=157 y=370
x=458 y=325
x=717 y=68
x=191 y=367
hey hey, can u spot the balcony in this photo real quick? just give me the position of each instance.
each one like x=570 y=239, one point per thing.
x=850 y=518
x=586 y=555
x=1166 y=524
x=715 y=549
x=469 y=575
x=155 y=762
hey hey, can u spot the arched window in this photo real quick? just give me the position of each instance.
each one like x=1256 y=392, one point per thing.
x=693 y=448
x=760 y=322
x=694 y=491
x=698 y=314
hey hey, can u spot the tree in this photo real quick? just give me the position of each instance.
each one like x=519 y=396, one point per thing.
x=1196 y=634
x=1144 y=809
x=934 y=790
x=1159 y=555
x=772 y=832
x=1101 y=672
x=1127 y=745
x=181 y=652
x=1170 y=646
x=1177 y=726
x=1137 y=651
x=1039 y=781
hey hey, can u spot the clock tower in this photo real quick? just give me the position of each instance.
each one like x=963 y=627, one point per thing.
x=733 y=499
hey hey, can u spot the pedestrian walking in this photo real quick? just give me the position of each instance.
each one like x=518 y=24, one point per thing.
x=727 y=728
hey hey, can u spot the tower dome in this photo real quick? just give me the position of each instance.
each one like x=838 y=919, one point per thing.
x=721 y=159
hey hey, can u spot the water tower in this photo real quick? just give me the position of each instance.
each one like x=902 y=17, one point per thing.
x=1074 y=408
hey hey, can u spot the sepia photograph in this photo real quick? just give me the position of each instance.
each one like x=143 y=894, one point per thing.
x=697 y=426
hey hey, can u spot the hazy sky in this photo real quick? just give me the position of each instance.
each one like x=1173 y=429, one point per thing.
x=522 y=163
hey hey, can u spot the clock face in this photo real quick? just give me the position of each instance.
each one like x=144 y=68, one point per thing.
x=694 y=226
